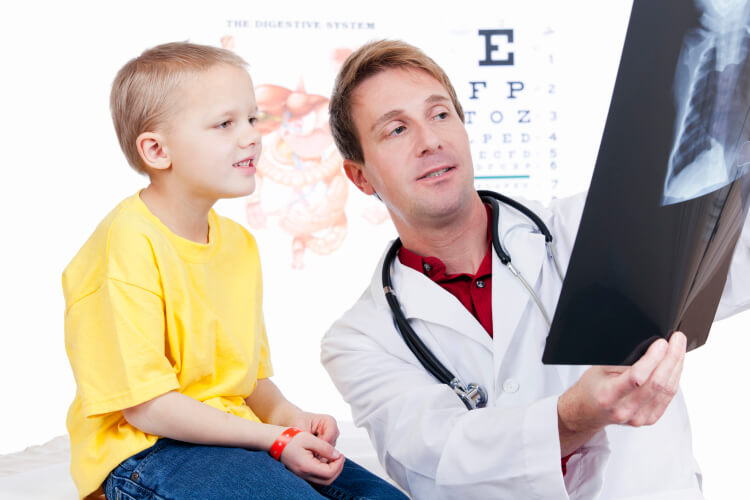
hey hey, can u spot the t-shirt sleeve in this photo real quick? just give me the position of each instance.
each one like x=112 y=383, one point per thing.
x=116 y=343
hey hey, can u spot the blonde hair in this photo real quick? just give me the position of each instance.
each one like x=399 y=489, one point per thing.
x=369 y=60
x=144 y=89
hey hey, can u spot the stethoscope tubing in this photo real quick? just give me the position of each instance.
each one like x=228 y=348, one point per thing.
x=412 y=340
x=472 y=395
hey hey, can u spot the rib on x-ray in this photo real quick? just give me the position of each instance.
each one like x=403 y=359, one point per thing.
x=712 y=95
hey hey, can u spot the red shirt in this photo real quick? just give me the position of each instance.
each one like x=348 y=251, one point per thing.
x=474 y=291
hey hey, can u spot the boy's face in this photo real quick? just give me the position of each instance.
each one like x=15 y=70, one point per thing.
x=211 y=138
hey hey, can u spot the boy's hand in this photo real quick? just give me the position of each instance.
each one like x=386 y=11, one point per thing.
x=322 y=426
x=312 y=459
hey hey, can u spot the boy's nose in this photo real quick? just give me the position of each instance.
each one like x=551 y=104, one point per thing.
x=250 y=137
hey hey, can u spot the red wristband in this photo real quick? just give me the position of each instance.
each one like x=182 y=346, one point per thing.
x=278 y=446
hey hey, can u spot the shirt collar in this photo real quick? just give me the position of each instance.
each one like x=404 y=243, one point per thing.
x=434 y=268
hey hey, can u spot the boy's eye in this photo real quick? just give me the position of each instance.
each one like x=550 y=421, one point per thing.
x=253 y=120
x=224 y=124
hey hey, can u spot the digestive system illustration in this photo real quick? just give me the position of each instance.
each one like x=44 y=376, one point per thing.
x=300 y=179
x=300 y=182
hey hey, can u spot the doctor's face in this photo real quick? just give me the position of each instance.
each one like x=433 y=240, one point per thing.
x=416 y=150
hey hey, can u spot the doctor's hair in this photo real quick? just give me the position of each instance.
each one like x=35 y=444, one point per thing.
x=369 y=60
x=145 y=91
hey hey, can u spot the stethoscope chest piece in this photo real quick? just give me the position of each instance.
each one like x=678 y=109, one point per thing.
x=473 y=396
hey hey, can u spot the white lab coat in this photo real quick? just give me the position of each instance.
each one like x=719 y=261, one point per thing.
x=434 y=448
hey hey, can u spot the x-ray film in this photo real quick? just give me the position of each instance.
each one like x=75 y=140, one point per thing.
x=669 y=193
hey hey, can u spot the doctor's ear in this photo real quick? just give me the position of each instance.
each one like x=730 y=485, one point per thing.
x=355 y=172
x=152 y=151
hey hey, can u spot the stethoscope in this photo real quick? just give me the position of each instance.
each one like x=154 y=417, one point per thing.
x=472 y=395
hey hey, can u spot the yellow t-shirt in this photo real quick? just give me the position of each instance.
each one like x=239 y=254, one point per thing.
x=148 y=312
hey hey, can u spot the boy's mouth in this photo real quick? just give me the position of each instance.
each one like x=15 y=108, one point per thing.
x=247 y=162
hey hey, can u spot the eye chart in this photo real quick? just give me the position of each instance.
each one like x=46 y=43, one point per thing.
x=512 y=113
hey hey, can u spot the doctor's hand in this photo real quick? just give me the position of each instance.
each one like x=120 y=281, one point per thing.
x=626 y=395
x=322 y=426
x=312 y=459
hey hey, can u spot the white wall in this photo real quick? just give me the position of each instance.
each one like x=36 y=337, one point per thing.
x=64 y=171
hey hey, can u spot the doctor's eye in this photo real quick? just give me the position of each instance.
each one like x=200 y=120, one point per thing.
x=398 y=130
x=442 y=115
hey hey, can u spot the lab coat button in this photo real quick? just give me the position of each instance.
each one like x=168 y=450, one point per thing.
x=511 y=385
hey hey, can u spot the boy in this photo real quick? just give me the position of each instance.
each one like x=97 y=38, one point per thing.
x=163 y=322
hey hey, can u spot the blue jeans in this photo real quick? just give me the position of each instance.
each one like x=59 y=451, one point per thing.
x=176 y=470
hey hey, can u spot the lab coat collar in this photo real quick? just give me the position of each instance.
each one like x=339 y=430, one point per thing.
x=510 y=300
x=423 y=299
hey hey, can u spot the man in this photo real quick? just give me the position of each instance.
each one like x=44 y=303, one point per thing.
x=547 y=431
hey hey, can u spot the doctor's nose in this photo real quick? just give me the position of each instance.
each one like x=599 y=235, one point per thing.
x=428 y=141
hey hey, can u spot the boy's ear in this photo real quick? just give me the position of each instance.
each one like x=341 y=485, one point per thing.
x=355 y=172
x=151 y=149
